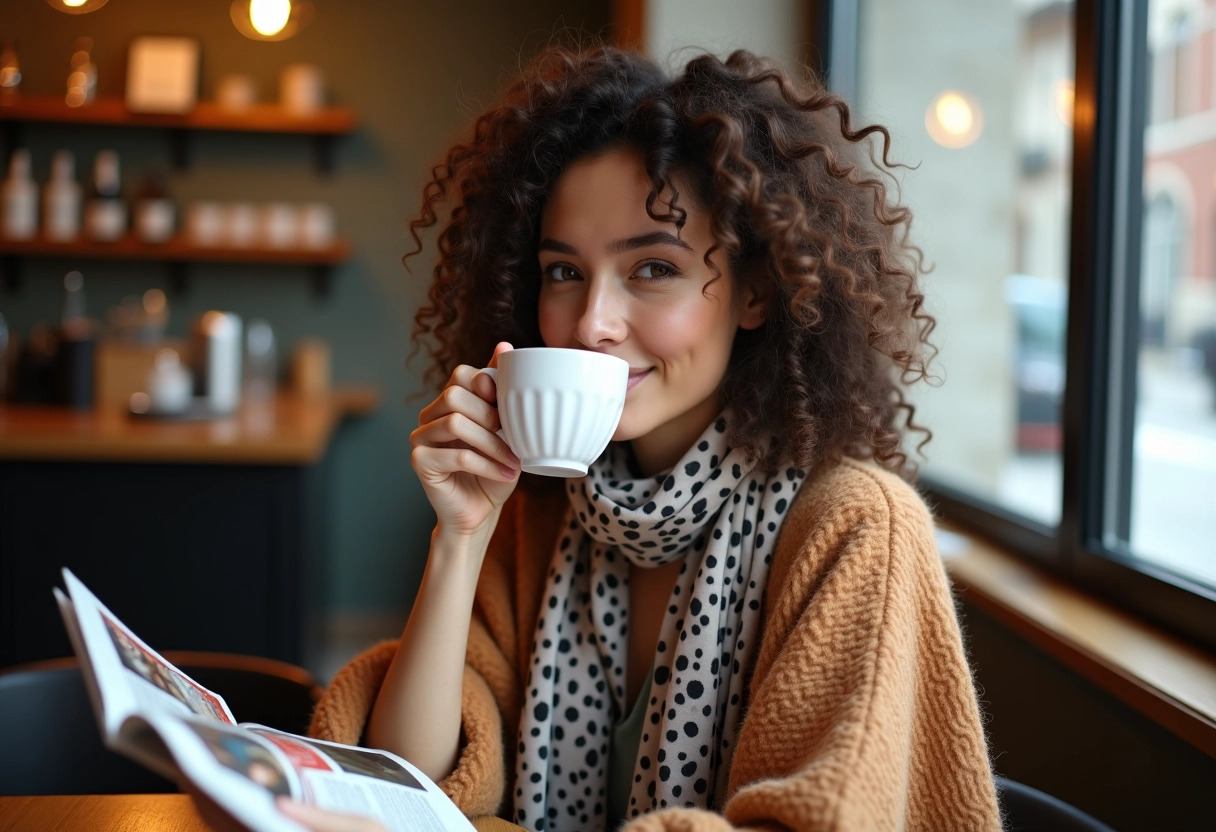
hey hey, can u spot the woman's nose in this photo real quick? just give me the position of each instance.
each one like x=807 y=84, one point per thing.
x=602 y=321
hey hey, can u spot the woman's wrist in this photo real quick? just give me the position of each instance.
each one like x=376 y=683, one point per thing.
x=460 y=552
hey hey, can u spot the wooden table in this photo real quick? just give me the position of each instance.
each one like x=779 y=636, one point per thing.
x=128 y=813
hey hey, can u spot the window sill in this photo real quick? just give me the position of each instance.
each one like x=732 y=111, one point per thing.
x=1168 y=680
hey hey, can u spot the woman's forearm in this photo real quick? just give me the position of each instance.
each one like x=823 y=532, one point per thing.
x=417 y=712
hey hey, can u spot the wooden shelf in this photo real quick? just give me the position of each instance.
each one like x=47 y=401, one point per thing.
x=206 y=115
x=177 y=252
x=323 y=126
x=178 y=248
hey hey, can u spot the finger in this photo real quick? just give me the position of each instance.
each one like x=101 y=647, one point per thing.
x=457 y=427
x=323 y=820
x=487 y=388
x=435 y=463
x=457 y=399
x=499 y=349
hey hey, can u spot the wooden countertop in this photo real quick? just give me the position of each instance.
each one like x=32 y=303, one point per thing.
x=288 y=431
x=1168 y=680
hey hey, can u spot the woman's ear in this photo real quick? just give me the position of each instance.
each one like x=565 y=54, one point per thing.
x=756 y=297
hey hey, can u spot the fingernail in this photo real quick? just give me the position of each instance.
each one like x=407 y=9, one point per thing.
x=509 y=473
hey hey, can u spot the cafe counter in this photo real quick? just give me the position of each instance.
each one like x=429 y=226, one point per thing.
x=200 y=535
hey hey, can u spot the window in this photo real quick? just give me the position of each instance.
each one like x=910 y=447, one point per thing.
x=1063 y=184
x=1173 y=489
x=979 y=101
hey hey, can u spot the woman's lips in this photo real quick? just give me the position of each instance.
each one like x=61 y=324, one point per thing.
x=636 y=376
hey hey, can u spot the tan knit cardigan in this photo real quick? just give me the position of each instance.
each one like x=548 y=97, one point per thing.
x=861 y=714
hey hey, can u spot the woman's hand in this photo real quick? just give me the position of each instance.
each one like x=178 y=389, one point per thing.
x=321 y=820
x=466 y=470
x=310 y=817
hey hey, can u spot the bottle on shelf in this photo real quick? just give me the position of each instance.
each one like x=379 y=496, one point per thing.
x=82 y=80
x=4 y=358
x=61 y=200
x=154 y=211
x=105 y=214
x=10 y=74
x=74 y=359
x=19 y=199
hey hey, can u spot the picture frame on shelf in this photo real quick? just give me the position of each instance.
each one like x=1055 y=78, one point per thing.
x=162 y=74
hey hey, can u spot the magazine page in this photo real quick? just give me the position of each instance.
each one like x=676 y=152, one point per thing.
x=243 y=769
x=344 y=778
x=131 y=678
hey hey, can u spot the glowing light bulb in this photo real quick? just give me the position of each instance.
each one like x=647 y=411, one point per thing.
x=954 y=114
x=953 y=120
x=268 y=17
x=1065 y=94
x=71 y=4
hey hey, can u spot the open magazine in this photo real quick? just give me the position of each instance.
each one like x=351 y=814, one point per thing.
x=156 y=715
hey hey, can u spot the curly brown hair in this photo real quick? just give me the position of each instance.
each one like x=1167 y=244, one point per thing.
x=801 y=216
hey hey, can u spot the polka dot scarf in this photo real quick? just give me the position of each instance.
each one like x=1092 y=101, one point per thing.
x=718 y=512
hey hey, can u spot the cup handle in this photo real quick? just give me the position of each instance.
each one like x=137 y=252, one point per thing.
x=493 y=374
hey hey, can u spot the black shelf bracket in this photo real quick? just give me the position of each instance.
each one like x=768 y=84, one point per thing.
x=325 y=150
x=179 y=148
x=10 y=274
x=321 y=279
x=178 y=273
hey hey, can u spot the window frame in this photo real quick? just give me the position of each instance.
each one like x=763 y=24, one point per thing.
x=1111 y=77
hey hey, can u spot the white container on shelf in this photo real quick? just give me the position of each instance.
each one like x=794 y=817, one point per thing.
x=19 y=199
x=235 y=93
x=280 y=225
x=62 y=200
x=302 y=89
x=154 y=220
x=316 y=225
x=205 y=224
x=105 y=213
x=240 y=225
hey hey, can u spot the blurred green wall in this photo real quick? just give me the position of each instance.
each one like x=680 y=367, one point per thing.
x=414 y=73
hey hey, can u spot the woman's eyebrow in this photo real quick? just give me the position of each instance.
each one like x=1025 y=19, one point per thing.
x=640 y=241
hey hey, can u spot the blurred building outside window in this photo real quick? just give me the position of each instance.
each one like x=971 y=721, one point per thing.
x=992 y=217
x=993 y=220
x=1173 y=523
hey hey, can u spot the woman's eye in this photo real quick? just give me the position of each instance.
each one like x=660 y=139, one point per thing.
x=655 y=271
x=560 y=273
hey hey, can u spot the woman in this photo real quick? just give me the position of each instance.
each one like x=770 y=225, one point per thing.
x=738 y=618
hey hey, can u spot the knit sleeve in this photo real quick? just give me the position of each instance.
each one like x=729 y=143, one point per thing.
x=862 y=711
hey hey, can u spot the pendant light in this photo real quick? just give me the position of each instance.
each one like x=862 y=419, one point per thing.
x=270 y=19
x=75 y=6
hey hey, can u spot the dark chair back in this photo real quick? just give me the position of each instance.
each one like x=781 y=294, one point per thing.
x=52 y=744
x=1030 y=810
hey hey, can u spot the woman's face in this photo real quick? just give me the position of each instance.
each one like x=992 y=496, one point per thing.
x=616 y=281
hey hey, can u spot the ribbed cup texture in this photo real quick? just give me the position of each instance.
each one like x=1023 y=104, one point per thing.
x=559 y=425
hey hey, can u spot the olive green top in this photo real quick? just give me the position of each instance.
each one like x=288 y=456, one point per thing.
x=623 y=755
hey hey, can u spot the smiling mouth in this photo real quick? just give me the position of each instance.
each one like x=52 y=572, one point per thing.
x=636 y=376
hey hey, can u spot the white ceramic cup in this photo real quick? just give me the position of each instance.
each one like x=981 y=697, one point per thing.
x=280 y=225
x=205 y=221
x=302 y=89
x=316 y=225
x=235 y=93
x=241 y=224
x=559 y=407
